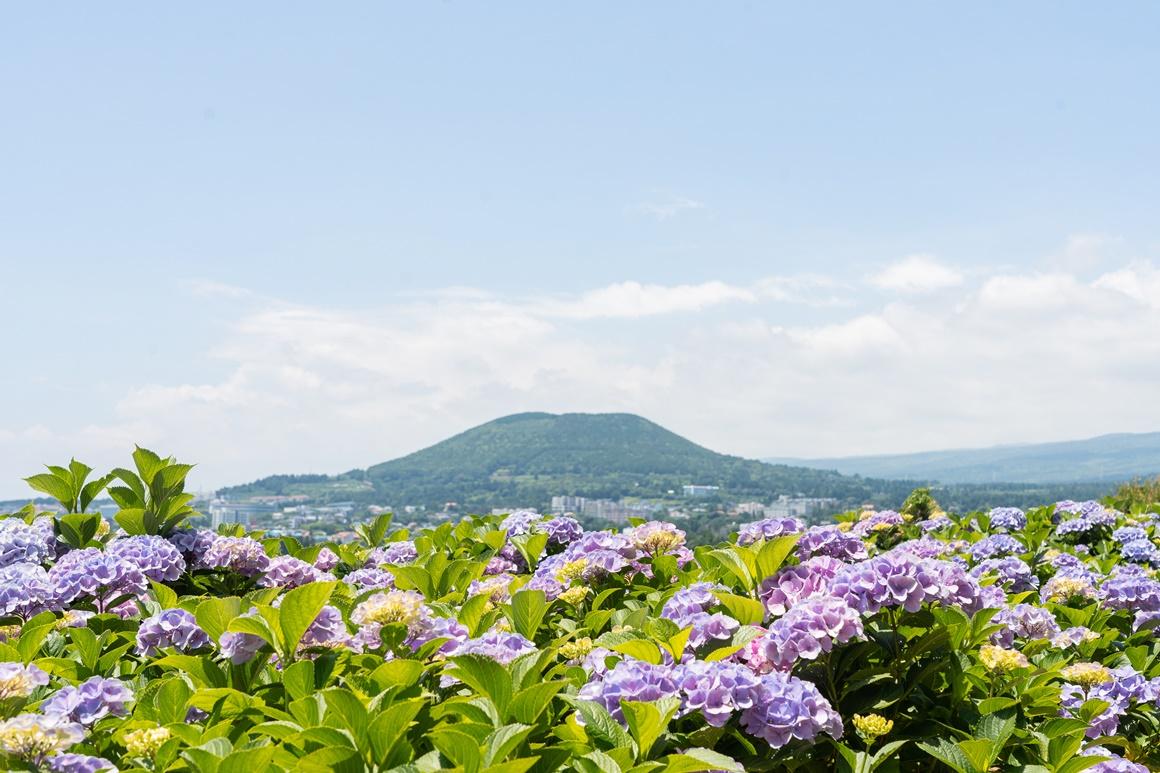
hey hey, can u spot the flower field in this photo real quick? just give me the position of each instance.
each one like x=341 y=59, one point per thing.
x=914 y=640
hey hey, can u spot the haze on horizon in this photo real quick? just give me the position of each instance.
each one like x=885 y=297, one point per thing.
x=276 y=238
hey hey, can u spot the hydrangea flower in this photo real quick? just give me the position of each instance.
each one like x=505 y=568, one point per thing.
x=440 y=628
x=396 y=606
x=501 y=646
x=691 y=600
x=327 y=630
x=1141 y=551
x=21 y=542
x=936 y=523
x=91 y=700
x=156 y=557
x=370 y=577
x=1063 y=588
x=236 y=554
x=562 y=530
x=175 y=628
x=1112 y=763
x=497 y=588
x=631 y=680
x=94 y=574
x=830 y=541
x=18 y=680
x=810 y=629
x=996 y=545
x=1014 y=573
x=716 y=689
x=396 y=553
x=326 y=560
x=1008 y=519
x=25 y=590
x=656 y=538
x=291 y=572
x=795 y=584
x=80 y=763
x=193 y=543
x=768 y=529
x=521 y=522
x=33 y=737
x=1126 y=590
x=790 y=709
x=877 y=521
x=1126 y=534
x=1024 y=621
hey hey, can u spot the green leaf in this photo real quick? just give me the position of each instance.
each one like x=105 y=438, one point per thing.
x=299 y=609
x=457 y=746
x=503 y=741
x=698 y=759
x=215 y=614
x=247 y=760
x=486 y=677
x=745 y=610
x=949 y=754
x=641 y=649
x=57 y=488
x=343 y=707
x=600 y=724
x=298 y=679
x=772 y=555
x=166 y=596
x=647 y=721
x=529 y=703
x=527 y=612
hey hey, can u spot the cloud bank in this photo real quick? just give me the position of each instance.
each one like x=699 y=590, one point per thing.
x=946 y=359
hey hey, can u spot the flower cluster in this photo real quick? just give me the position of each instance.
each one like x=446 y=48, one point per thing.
x=242 y=555
x=156 y=557
x=768 y=529
x=91 y=700
x=175 y=628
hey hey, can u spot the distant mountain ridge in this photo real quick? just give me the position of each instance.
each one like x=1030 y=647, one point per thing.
x=1106 y=458
x=527 y=458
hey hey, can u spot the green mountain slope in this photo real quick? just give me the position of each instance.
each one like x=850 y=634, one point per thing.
x=527 y=458
x=1104 y=458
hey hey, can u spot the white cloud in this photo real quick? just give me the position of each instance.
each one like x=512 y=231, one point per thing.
x=665 y=205
x=633 y=299
x=917 y=274
x=1016 y=357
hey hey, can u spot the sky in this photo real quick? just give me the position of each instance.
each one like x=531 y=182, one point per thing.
x=284 y=237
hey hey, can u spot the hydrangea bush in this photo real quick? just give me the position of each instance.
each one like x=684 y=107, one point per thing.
x=909 y=640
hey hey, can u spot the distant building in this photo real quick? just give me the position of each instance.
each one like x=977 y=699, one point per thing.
x=798 y=507
x=222 y=511
x=755 y=509
x=567 y=504
x=700 y=491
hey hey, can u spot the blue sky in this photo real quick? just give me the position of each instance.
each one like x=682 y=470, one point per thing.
x=286 y=238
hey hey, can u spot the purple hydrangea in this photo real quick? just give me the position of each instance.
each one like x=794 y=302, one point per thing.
x=656 y=538
x=901 y=580
x=716 y=689
x=94 y=574
x=767 y=529
x=563 y=530
x=326 y=560
x=830 y=541
x=238 y=554
x=1014 y=573
x=440 y=628
x=175 y=628
x=1141 y=551
x=1024 y=621
x=291 y=572
x=21 y=542
x=1008 y=519
x=1126 y=534
x=25 y=590
x=794 y=584
x=193 y=543
x=521 y=522
x=810 y=629
x=240 y=648
x=497 y=588
x=877 y=521
x=156 y=557
x=1126 y=687
x=370 y=577
x=936 y=523
x=631 y=680
x=34 y=737
x=91 y=700
x=715 y=627
x=327 y=630
x=79 y=763
x=396 y=553
x=1112 y=763
x=996 y=545
x=924 y=547
x=1128 y=590
x=500 y=646
x=691 y=600
x=790 y=709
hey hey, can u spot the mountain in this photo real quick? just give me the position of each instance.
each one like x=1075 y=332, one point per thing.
x=527 y=458
x=1105 y=458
